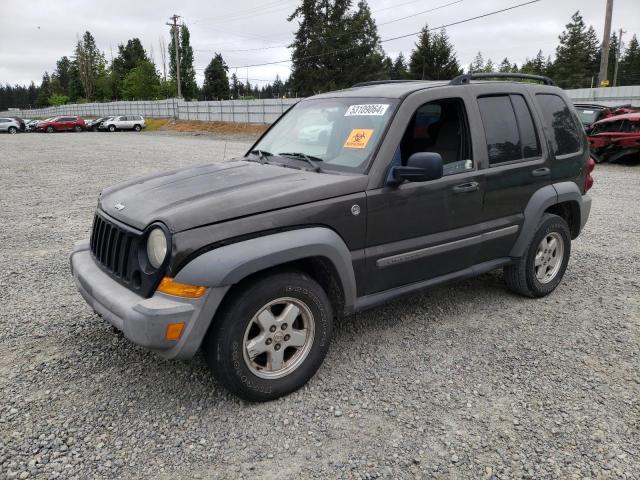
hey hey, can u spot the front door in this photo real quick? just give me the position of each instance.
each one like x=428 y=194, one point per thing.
x=421 y=230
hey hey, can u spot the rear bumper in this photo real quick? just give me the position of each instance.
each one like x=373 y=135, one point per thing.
x=585 y=209
x=144 y=321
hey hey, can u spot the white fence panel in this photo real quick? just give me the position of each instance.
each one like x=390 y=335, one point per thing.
x=609 y=96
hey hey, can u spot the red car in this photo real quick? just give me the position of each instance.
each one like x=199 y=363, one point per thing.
x=61 y=124
x=615 y=137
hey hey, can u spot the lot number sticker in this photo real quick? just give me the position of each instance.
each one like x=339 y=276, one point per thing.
x=370 y=109
x=358 y=138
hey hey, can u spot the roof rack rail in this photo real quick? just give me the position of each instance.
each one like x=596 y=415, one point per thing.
x=467 y=77
x=381 y=82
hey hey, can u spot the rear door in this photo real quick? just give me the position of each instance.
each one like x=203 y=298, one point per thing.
x=515 y=162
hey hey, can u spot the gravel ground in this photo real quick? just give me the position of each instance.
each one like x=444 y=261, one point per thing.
x=467 y=381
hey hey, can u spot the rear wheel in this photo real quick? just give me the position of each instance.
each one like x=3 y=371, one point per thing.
x=137 y=128
x=12 y=130
x=541 y=269
x=77 y=128
x=271 y=336
x=112 y=128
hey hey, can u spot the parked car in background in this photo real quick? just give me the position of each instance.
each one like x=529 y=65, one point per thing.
x=21 y=123
x=9 y=125
x=125 y=122
x=102 y=126
x=61 y=124
x=31 y=125
x=615 y=137
x=92 y=125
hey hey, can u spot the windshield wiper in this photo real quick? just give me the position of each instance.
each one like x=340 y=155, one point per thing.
x=262 y=155
x=310 y=159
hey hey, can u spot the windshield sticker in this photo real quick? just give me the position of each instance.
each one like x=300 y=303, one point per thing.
x=358 y=138
x=375 y=109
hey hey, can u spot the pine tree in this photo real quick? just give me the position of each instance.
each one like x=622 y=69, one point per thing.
x=577 y=55
x=505 y=66
x=216 y=82
x=333 y=46
x=399 y=68
x=130 y=55
x=187 y=71
x=90 y=61
x=45 y=91
x=477 y=65
x=61 y=77
x=433 y=57
x=278 y=88
x=536 y=65
x=489 y=67
x=629 y=68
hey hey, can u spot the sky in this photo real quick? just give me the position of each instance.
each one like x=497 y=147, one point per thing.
x=36 y=33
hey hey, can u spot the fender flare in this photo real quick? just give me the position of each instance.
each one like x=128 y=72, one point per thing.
x=232 y=263
x=538 y=203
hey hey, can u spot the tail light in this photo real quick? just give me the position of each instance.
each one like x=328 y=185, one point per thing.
x=588 y=179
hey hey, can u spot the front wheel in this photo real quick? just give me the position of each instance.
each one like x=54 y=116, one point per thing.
x=271 y=336
x=50 y=130
x=541 y=269
x=13 y=130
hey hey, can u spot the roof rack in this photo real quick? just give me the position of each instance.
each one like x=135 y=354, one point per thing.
x=381 y=82
x=466 y=78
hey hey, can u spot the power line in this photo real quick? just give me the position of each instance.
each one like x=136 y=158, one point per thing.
x=398 y=37
x=288 y=45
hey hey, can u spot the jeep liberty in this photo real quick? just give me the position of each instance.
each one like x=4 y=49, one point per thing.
x=351 y=199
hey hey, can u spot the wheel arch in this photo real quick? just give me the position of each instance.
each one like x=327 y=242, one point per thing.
x=563 y=199
x=317 y=251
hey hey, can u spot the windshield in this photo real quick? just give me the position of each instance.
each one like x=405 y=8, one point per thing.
x=587 y=116
x=340 y=132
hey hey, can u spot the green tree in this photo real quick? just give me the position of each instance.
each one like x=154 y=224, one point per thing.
x=399 y=68
x=142 y=82
x=90 y=62
x=489 y=67
x=216 y=82
x=57 y=100
x=433 y=57
x=61 y=77
x=477 y=65
x=278 y=88
x=187 y=71
x=536 y=65
x=577 y=55
x=130 y=55
x=45 y=91
x=334 y=47
x=629 y=68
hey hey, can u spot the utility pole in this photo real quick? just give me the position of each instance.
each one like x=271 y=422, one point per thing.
x=604 y=56
x=618 y=52
x=174 y=31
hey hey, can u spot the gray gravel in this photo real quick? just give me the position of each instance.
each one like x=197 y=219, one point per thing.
x=467 y=381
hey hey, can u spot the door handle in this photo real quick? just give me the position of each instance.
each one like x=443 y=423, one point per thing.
x=540 y=172
x=466 y=187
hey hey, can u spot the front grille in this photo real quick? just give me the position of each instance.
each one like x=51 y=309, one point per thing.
x=114 y=248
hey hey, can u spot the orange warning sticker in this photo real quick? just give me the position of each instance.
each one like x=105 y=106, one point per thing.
x=358 y=138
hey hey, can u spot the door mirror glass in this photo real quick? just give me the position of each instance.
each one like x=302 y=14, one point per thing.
x=421 y=167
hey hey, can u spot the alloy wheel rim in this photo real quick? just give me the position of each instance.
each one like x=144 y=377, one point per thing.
x=278 y=338
x=549 y=256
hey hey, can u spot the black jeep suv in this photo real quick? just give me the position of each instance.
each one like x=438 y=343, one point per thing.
x=351 y=199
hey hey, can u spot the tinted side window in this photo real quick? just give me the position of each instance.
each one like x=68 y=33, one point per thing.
x=528 y=135
x=500 y=128
x=560 y=125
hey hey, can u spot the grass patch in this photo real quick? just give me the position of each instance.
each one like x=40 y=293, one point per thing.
x=219 y=128
x=154 y=124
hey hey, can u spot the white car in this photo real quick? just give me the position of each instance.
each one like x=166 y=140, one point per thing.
x=124 y=122
x=9 y=125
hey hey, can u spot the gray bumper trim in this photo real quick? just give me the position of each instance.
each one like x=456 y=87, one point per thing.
x=585 y=209
x=144 y=320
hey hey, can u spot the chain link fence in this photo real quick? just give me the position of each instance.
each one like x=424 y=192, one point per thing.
x=237 y=111
x=263 y=111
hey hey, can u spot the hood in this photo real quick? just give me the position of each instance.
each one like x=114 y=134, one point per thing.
x=195 y=196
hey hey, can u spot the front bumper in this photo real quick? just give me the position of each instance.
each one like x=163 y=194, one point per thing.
x=144 y=321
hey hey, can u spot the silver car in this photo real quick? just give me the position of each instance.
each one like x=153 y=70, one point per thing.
x=125 y=122
x=9 y=125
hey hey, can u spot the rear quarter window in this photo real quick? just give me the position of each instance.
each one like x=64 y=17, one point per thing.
x=560 y=126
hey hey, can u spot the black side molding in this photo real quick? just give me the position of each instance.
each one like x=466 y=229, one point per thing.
x=467 y=77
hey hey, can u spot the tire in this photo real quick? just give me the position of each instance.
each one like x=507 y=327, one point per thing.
x=50 y=130
x=541 y=269
x=253 y=376
x=77 y=128
x=112 y=128
x=12 y=130
x=137 y=128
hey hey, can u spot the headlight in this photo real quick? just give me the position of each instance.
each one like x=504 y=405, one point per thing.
x=156 y=247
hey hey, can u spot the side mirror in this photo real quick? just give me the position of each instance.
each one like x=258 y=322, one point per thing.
x=421 y=167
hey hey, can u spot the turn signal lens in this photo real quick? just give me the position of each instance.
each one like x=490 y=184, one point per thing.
x=174 y=331
x=168 y=286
